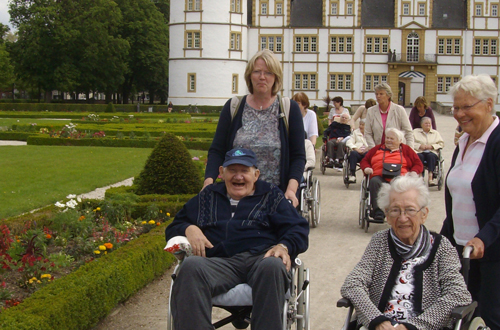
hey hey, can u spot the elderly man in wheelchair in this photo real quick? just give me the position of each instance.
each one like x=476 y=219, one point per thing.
x=240 y=231
x=408 y=278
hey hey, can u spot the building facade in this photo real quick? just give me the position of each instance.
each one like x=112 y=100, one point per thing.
x=332 y=47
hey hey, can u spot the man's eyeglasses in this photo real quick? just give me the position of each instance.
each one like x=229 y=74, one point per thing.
x=465 y=107
x=409 y=212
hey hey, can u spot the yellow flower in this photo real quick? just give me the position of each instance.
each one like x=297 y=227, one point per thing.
x=46 y=276
x=98 y=209
x=152 y=222
x=102 y=248
x=161 y=211
x=38 y=281
x=168 y=214
x=97 y=252
x=143 y=223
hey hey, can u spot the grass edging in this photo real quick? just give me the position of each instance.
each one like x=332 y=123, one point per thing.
x=82 y=298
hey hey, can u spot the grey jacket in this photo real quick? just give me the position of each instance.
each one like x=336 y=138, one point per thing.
x=439 y=285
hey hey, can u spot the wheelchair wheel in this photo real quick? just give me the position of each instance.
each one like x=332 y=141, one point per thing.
x=240 y=324
x=322 y=161
x=345 y=172
x=316 y=203
x=362 y=213
x=477 y=324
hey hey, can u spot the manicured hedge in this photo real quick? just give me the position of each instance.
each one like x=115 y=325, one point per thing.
x=16 y=136
x=80 y=299
x=106 y=142
x=84 y=107
x=80 y=115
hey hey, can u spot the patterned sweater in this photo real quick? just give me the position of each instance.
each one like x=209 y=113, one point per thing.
x=439 y=286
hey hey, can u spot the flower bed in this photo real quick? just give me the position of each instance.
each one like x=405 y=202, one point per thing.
x=74 y=240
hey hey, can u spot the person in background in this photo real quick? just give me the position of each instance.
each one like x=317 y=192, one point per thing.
x=336 y=135
x=419 y=111
x=259 y=124
x=472 y=191
x=358 y=145
x=361 y=112
x=393 y=151
x=310 y=154
x=427 y=143
x=308 y=117
x=337 y=110
x=386 y=114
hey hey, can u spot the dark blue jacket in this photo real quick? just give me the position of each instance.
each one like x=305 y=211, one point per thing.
x=260 y=221
x=336 y=130
x=486 y=191
x=293 y=154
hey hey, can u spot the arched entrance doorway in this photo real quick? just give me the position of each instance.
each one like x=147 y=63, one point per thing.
x=411 y=86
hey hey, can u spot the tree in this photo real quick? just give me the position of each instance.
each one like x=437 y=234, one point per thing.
x=146 y=31
x=6 y=69
x=4 y=29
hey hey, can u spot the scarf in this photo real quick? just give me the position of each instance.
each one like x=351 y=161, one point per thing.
x=420 y=248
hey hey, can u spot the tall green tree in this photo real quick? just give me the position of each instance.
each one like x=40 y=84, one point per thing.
x=6 y=69
x=145 y=29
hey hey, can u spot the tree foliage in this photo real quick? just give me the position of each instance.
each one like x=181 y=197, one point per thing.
x=87 y=46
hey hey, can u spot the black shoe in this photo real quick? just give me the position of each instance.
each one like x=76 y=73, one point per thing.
x=378 y=215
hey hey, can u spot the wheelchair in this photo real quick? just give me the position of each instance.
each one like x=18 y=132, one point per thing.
x=463 y=315
x=238 y=302
x=345 y=168
x=310 y=199
x=325 y=162
x=365 y=211
x=438 y=171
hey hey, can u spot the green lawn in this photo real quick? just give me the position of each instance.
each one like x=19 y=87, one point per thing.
x=8 y=122
x=35 y=176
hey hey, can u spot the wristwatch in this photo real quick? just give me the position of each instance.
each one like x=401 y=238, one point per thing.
x=283 y=246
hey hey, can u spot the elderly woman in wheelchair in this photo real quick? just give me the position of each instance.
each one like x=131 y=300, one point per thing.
x=386 y=161
x=408 y=277
x=427 y=144
x=240 y=231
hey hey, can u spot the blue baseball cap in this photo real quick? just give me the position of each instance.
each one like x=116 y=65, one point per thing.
x=240 y=156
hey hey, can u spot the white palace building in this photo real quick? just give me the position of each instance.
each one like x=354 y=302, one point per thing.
x=332 y=47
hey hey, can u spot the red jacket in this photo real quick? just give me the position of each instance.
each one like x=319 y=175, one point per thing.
x=413 y=162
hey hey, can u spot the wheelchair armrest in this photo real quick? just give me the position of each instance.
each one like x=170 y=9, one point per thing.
x=344 y=302
x=461 y=312
x=310 y=168
x=325 y=139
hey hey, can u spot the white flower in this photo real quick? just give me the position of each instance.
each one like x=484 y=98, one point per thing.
x=71 y=204
x=59 y=204
x=78 y=199
x=71 y=196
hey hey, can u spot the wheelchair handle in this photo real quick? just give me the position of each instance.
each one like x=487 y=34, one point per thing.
x=467 y=251
x=466 y=262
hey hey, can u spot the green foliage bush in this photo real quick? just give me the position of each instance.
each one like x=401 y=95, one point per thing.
x=16 y=136
x=110 y=107
x=169 y=170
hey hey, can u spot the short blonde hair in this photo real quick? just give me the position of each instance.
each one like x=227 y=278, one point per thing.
x=273 y=65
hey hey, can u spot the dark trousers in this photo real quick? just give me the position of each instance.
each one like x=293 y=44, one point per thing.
x=335 y=154
x=354 y=158
x=484 y=287
x=374 y=187
x=200 y=279
x=430 y=159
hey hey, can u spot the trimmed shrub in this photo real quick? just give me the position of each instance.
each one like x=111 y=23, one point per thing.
x=169 y=170
x=110 y=107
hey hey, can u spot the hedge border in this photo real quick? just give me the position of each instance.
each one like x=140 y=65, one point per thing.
x=82 y=298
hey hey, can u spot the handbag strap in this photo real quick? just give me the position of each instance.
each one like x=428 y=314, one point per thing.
x=400 y=154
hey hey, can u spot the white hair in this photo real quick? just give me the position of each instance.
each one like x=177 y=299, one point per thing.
x=398 y=133
x=480 y=86
x=384 y=87
x=402 y=184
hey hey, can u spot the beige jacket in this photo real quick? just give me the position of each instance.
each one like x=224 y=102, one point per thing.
x=357 y=140
x=433 y=138
x=397 y=118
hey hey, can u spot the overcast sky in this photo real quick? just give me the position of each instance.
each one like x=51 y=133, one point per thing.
x=4 y=14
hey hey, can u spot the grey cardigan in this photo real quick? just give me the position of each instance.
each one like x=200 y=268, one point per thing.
x=439 y=285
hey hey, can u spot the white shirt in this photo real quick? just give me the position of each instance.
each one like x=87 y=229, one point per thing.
x=310 y=123
x=460 y=185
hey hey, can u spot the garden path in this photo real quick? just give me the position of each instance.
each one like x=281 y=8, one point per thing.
x=335 y=246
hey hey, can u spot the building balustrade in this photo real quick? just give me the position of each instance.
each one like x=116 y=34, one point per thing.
x=414 y=58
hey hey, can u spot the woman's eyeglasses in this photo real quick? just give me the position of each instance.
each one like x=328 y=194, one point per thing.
x=465 y=108
x=258 y=73
x=409 y=212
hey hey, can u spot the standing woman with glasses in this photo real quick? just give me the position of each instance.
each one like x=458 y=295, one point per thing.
x=259 y=124
x=472 y=192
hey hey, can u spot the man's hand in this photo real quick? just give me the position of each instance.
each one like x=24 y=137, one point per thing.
x=197 y=240
x=478 y=245
x=279 y=252
x=368 y=171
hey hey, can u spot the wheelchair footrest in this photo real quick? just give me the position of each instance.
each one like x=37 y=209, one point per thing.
x=371 y=220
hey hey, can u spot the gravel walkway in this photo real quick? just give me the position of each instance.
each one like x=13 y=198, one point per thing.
x=99 y=192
